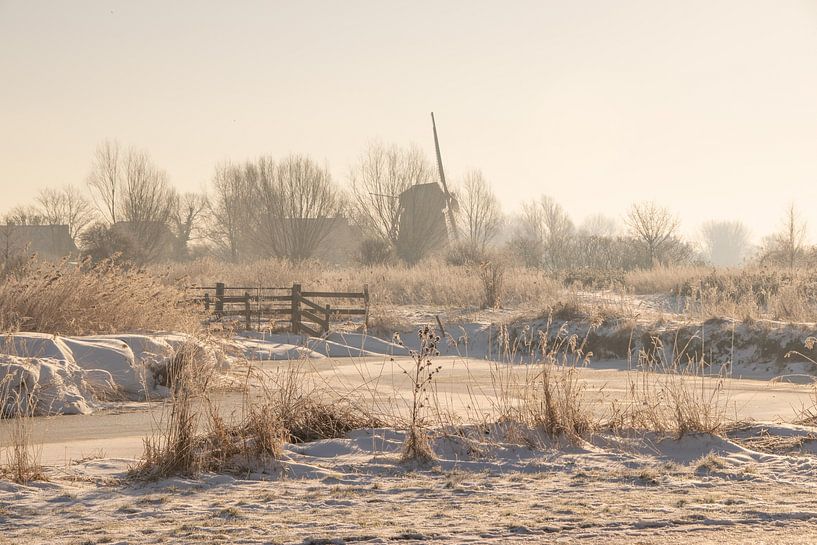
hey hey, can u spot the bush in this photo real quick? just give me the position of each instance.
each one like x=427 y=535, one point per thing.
x=103 y=242
x=526 y=251
x=376 y=251
x=465 y=253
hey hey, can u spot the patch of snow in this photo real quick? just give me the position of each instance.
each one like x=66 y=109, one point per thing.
x=73 y=375
x=41 y=386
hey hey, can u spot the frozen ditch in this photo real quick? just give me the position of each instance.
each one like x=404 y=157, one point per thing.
x=45 y=374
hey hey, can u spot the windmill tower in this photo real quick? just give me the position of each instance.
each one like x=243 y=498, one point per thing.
x=427 y=214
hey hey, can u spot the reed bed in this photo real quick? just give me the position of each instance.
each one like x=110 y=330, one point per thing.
x=452 y=286
x=91 y=298
x=697 y=292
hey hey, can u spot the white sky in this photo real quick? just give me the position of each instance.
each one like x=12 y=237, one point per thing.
x=708 y=107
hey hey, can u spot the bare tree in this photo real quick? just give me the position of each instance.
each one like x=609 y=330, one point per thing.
x=599 y=225
x=66 y=206
x=546 y=225
x=186 y=214
x=134 y=196
x=726 y=243
x=147 y=204
x=479 y=211
x=229 y=210
x=296 y=204
x=24 y=215
x=654 y=226
x=105 y=179
x=376 y=182
x=787 y=247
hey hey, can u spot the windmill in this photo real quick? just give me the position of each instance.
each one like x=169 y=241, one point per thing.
x=451 y=204
x=426 y=214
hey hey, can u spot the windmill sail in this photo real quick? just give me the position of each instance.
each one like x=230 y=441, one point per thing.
x=450 y=201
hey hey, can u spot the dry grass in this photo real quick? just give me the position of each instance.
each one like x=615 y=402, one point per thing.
x=87 y=298
x=778 y=294
x=542 y=399
x=661 y=279
x=279 y=407
x=196 y=438
x=175 y=447
x=307 y=410
x=549 y=398
x=671 y=396
x=670 y=390
x=459 y=286
x=699 y=292
x=20 y=460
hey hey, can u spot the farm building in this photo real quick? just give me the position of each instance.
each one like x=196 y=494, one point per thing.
x=47 y=241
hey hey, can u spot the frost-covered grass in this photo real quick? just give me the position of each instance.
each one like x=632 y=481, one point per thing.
x=91 y=298
x=355 y=489
x=19 y=459
x=697 y=292
x=431 y=283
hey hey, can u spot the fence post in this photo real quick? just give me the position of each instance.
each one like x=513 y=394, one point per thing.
x=206 y=301
x=219 y=299
x=296 y=308
x=258 y=299
x=366 y=304
x=247 y=311
x=326 y=324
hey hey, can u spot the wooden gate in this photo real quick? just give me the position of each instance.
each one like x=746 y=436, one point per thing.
x=308 y=312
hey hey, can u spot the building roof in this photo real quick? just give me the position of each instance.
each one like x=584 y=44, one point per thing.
x=47 y=241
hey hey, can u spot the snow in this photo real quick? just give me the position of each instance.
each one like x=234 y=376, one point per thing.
x=485 y=489
x=485 y=484
x=41 y=386
x=75 y=375
x=82 y=373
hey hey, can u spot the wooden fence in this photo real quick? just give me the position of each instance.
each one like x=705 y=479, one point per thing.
x=309 y=312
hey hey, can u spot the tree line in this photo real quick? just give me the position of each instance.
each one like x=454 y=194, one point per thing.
x=285 y=207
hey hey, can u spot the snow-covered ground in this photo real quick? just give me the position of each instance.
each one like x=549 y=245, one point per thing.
x=756 y=484
x=48 y=374
x=622 y=488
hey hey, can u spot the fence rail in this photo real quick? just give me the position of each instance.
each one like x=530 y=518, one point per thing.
x=306 y=311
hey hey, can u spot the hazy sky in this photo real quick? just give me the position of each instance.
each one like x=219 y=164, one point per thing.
x=708 y=107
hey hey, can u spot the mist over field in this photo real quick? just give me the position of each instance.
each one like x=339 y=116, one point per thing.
x=368 y=272
x=705 y=108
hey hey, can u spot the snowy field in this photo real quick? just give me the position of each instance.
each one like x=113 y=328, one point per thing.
x=756 y=482
x=611 y=489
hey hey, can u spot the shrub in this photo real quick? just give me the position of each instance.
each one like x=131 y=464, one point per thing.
x=464 y=253
x=376 y=251
x=492 y=275
x=527 y=251
x=100 y=242
x=421 y=374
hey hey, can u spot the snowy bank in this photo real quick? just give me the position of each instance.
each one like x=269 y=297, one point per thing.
x=47 y=374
